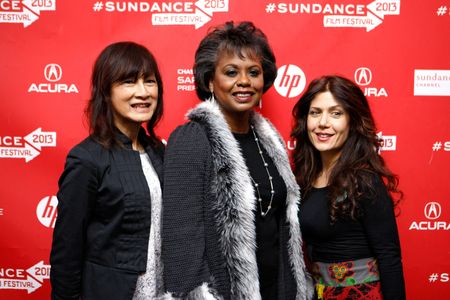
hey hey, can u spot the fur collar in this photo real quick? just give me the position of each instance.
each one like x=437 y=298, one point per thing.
x=236 y=201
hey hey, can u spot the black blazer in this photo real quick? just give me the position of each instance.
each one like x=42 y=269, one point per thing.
x=100 y=239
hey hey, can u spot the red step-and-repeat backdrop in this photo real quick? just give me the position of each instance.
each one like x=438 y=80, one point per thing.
x=397 y=51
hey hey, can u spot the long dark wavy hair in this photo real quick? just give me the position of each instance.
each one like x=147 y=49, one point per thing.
x=235 y=39
x=117 y=62
x=353 y=173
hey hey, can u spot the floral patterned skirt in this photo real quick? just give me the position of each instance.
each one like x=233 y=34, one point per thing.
x=357 y=279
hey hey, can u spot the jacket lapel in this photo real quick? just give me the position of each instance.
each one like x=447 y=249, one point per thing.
x=157 y=162
x=234 y=203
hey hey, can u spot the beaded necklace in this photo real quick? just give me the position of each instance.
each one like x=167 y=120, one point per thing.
x=266 y=166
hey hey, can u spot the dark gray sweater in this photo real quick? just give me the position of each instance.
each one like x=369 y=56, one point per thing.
x=209 y=237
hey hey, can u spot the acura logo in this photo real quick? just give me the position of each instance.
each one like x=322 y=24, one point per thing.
x=363 y=76
x=53 y=72
x=432 y=210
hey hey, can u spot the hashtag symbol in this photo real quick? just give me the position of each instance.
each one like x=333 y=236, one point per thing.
x=98 y=6
x=442 y=10
x=433 y=277
x=437 y=146
x=270 y=8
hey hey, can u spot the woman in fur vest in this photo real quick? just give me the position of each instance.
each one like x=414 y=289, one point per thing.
x=230 y=217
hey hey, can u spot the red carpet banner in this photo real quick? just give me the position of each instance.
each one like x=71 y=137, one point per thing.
x=397 y=51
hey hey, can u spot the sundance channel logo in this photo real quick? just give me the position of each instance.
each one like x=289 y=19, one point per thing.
x=432 y=212
x=53 y=74
x=431 y=82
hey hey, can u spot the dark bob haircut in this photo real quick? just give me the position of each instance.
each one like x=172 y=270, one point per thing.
x=236 y=39
x=117 y=62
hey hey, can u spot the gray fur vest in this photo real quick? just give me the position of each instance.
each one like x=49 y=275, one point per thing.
x=236 y=197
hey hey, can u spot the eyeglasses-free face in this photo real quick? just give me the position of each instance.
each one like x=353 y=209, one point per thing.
x=237 y=83
x=328 y=125
x=134 y=101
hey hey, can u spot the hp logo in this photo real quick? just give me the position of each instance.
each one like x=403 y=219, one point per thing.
x=46 y=211
x=290 y=81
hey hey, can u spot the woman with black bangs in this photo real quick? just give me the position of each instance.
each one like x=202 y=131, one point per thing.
x=106 y=242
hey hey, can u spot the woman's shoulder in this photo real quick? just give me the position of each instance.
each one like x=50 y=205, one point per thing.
x=89 y=144
x=188 y=142
x=375 y=195
x=88 y=151
x=190 y=131
x=373 y=180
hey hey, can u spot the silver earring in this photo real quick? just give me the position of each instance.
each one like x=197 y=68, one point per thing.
x=212 y=98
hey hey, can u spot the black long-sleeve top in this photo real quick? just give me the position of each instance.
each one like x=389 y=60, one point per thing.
x=374 y=234
x=267 y=227
x=100 y=241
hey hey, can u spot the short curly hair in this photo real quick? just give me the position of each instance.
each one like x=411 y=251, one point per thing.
x=232 y=39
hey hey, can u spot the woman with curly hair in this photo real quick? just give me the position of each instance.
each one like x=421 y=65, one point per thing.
x=347 y=215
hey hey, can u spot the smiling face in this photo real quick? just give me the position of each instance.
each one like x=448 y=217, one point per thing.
x=237 y=83
x=328 y=125
x=134 y=102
